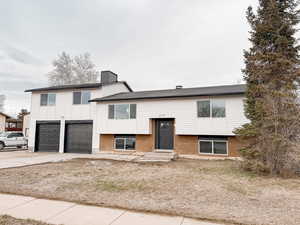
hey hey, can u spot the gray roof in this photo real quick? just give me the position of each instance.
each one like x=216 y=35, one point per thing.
x=176 y=93
x=5 y=115
x=75 y=86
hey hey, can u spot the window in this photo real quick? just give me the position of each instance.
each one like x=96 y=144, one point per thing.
x=218 y=108
x=81 y=97
x=48 y=99
x=204 y=109
x=211 y=108
x=214 y=146
x=125 y=142
x=122 y=111
x=15 y=135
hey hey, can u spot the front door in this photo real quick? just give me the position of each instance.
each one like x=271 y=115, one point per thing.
x=164 y=138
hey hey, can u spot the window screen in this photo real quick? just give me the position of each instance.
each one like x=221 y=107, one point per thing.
x=218 y=108
x=111 y=111
x=132 y=111
x=86 y=96
x=51 y=99
x=44 y=99
x=76 y=98
x=203 y=108
x=206 y=147
x=122 y=111
x=125 y=142
x=220 y=147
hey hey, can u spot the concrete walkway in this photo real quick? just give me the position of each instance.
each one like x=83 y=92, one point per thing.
x=67 y=213
x=25 y=158
x=19 y=159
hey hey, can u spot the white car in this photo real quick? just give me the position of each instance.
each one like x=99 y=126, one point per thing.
x=12 y=139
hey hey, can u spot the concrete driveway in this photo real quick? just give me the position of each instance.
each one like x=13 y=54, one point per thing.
x=11 y=159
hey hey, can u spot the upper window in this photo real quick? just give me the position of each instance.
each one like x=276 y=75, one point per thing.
x=211 y=108
x=48 y=99
x=81 y=97
x=122 y=111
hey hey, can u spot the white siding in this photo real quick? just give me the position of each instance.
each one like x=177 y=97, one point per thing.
x=183 y=110
x=26 y=125
x=65 y=110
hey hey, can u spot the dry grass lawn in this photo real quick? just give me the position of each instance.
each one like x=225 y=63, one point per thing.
x=215 y=190
x=8 y=220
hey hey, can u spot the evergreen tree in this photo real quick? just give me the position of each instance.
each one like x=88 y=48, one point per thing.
x=272 y=74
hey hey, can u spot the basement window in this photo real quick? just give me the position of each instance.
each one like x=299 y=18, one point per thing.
x=213 y=146
x=125 y=142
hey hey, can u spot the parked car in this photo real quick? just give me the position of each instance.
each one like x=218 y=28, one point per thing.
x=12 y=139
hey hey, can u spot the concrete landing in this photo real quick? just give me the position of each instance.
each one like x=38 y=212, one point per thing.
x=157 y=157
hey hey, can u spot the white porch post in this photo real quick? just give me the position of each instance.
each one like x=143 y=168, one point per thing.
x=95 y=142
x=62 y=135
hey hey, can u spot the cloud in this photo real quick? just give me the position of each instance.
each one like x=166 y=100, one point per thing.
x=18 y=55
x=152 y=44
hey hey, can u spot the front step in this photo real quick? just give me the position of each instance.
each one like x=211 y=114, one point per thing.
x=158 y=157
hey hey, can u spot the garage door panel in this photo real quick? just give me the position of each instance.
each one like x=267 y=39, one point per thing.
x=47 y=137
x=78 y=137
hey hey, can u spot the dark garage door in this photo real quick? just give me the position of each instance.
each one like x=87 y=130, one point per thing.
x=47 y=136
x=78 y=137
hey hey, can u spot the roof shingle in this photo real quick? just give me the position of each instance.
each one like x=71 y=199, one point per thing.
x=74 y=86
x=176 y=93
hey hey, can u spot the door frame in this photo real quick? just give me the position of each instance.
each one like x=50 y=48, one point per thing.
x=156 y=134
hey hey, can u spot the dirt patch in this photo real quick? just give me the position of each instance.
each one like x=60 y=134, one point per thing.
x=214 y=190
x=8 y=220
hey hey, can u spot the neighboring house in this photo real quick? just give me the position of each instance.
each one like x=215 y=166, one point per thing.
x=13 y=124
x=3 y=119
x=108 y=116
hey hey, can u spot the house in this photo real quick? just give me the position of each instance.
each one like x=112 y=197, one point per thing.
x=13 y=124
x=3 y=119
x=109 y=116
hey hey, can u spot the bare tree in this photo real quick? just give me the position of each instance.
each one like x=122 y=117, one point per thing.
x=2 y=99
x=84 y=69
x=73 y=70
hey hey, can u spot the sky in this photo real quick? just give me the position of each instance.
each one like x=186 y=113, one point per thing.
x=151 y=44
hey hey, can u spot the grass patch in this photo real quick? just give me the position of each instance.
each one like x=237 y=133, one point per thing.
x=8 y=220
x=214 y=190
x=120 y=186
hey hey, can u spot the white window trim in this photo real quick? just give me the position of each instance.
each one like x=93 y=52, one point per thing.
x=47 y=99
x=129 y=112
x=210 y=107
x=80 y=97
x=124 y=149
x=212 y=141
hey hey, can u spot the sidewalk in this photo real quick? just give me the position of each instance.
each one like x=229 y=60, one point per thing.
x=67 y=213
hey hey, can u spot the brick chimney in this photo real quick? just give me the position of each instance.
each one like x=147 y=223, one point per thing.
x=108 y=77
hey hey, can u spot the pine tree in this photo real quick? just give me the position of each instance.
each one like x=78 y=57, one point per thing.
x=272 y=76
